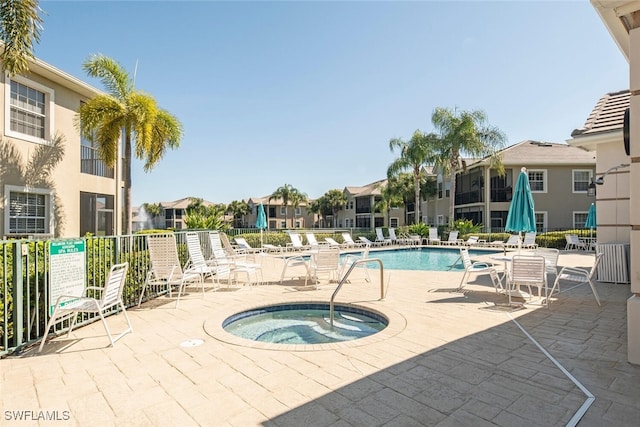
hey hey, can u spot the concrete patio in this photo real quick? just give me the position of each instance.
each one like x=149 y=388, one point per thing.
x=446 y=359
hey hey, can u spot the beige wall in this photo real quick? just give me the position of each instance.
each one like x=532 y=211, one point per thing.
x=612 y=197
x=69 y=182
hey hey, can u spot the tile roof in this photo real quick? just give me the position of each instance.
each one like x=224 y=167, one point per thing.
x=543 y=153
x=183 y=203
x=607 y=115
x=366 y=190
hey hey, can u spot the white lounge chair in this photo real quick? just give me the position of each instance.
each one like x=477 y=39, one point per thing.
x=453 y=238
x=366 y=241
x=433 y=239
x=380 y=237
x=333 y=242
x=107 y=297
x=166 y=271
x=529 y=241
x=313 y=242
x=513 y=241
x=349 y=240
x=237 y=264
x=325 y=260
x=296 y=242
x=197 y=262
x=471 y=241
x=574 y=242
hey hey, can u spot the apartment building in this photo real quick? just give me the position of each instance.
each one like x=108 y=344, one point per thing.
x=279 y=215
x=71 y=191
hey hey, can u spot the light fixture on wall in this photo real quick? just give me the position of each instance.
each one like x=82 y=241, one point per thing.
x=591 y=189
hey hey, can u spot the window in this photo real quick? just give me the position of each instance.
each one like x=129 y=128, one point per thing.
x=346 y=222
x=298 y=224
x=439 y=190
x=28 y=211
x=579 y=219
x=96 y=214
x=350 y=205
x=298 y=211
x=440 y=219
x=581 y=180
x=283 y=210
x=541 y=221
x=447 y=189
x=29 y=111
x=283 y=224
x=393 y=222
x=537 y=180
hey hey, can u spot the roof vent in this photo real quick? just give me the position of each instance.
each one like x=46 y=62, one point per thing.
x=542 y=144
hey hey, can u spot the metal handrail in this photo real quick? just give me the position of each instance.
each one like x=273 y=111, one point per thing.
x=344 y=279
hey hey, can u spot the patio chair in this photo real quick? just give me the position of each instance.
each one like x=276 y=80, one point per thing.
x=243 y=246
x=477 y=267
x=333 y=242
x=471 y=241
x=453 y=238
x=551 y=256
x=529 y=241
x=237 y=264
x=433 y=239
x=197 y=262
x=313 y=242
x=394 y=238
x=380 y=237
x=296 y=242
x=513 y=241
x=166 y=271
x=574 y=242
x=527 y=270
x=349 y=240
x=349 y=259
x=577 y=275
x=324 y=261
x=366 y=242
x=108 y=297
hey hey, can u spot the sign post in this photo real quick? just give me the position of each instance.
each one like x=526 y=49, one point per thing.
x=67 y=270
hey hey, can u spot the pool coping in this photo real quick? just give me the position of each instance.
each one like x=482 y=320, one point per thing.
x=213 y=326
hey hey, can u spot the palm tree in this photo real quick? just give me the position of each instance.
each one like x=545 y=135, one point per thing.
x=335 y=200
x=297 y=198
x=20 y=27
x=238 y=208
x=148 y=130
x=389 y=198
x=465 y=133
x=414 y=154
x=285 y=193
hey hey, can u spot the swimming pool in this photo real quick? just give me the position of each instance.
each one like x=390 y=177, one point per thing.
x=304 y=323
x=432 y=259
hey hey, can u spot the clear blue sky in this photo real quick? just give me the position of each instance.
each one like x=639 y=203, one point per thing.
x=310 y=93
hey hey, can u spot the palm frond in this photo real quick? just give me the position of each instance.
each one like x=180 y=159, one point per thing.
x=20 y=27
x=115 y=79
x=43 y=161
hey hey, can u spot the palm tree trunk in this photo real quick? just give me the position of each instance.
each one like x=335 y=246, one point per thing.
x=452 y=198
x=416 y=194
x=127 y=184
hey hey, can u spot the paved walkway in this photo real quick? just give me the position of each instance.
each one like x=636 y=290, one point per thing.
x=447 y=359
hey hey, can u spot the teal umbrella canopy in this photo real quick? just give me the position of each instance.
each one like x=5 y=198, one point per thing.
x=521 y=217
x=261 y=222
x=591 y=217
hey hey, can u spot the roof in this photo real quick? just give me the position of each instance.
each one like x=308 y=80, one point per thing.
x=544 y=153
x=183 y=203
x=607 y=115
x=372 y=189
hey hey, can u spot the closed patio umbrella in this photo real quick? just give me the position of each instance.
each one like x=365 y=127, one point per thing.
x=591 y=222
x=521 y=217
x=261 y=221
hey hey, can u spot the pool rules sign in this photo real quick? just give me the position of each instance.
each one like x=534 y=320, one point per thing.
x=67 y=269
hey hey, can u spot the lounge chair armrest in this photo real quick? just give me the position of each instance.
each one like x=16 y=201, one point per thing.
x=573 y=270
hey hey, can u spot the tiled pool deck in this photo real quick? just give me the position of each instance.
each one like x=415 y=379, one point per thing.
x=448 y=359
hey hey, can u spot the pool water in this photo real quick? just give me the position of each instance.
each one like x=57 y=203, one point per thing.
x=432 y=259
x=304 y=323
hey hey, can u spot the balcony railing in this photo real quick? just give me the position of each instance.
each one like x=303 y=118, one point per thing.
x=90 y=163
